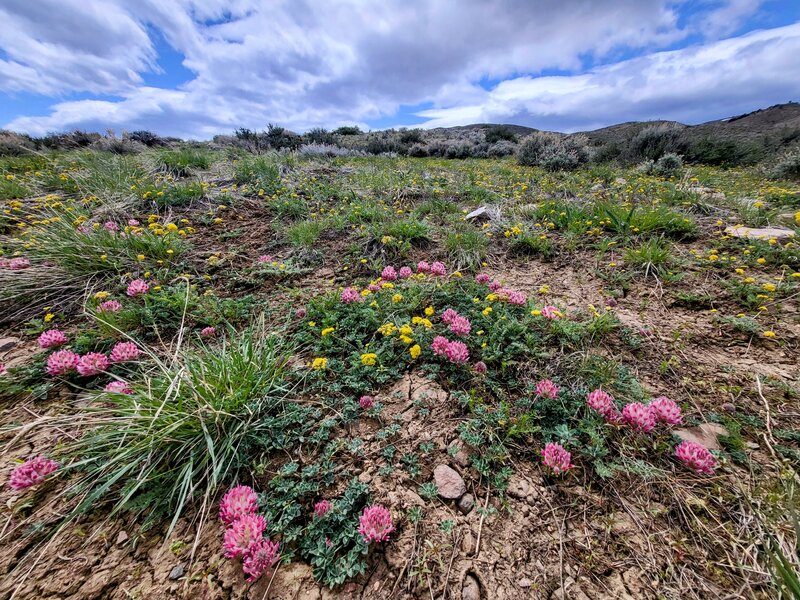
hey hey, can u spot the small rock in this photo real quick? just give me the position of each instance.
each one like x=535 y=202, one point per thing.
x=705 y=435
x=178 y=571
x=518 y=487
x=524 y=583
x=459 y=455
x=620 y=181
x=478 y=212
x=597 y=187
x=468 y=544
x=449 y=483
x=766 y=233
x=8 y=343
x=122 y=537
x=728 y=407
x=470 y=590
x=466 y=503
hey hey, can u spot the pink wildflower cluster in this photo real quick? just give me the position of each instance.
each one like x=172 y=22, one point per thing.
x=62 y=362
x=389 y=273
x=208 y=332
x=137 y=287
x=118 y=387
x=456 y=352
x=366 y=402
x=375 y=524
x=480 y=367
x=639 y=417
x=603 y=403
x=111 y=226
x=482 y=278
x=696 y=457
x=666 y=411
x=495 y=285
x=52 y=338
x=423 y=267
x=109 y=306
x=350 y=295
x=556 y=458
x=438 y=269
x=405 y=272
x=244 y=537
x=124 y=352
x=31 y=472
x=264 y=258
x=510 y=296
x=15 y=264
x=547 y=389
x=551 y=312
x=92 y=363
x=458 y=324
x=321 y=508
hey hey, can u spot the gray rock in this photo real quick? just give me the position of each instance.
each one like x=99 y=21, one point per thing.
x=466 y=504
x=705 y=435
x=765 y=233
x=478 y=212
x=470 y=590
x=449 y=483
x=518 y=487
x=524 y=583
x=178 y=571
x=122 y=537
x=8 y=343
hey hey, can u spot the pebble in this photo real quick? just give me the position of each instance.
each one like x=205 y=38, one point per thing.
x=470 y=590
x=449 y=483
x=178 y=571
x=466 y=504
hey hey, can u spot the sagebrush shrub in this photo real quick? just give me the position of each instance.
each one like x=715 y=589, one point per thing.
x=553 y=151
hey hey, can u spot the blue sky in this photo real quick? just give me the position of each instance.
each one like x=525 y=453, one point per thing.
x=196 y=68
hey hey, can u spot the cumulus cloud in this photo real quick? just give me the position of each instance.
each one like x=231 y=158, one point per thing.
x=302 y=63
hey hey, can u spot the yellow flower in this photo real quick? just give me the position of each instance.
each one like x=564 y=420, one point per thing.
x=406 y=330
x=319 y=363
x=172 y=227
x=140 y=257
x=387 y=329
x=386 y=285
x=486 y=311
x=415 y=351
x=312 y=323
x=397 y=298
x=405 y=339
x=768 y=334
x=326 y=331
x=429 y=311
x=544 y=289
x=761 y=261
x=102 y=295
x=769 y=287
x=49 y=317
x=536 y=313
x=369 y=359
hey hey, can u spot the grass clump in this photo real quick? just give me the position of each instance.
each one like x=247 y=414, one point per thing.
x=184 y=161
x=262 y=173
x=466 y=248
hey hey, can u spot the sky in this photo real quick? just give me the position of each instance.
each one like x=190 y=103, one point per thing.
x=197 y=68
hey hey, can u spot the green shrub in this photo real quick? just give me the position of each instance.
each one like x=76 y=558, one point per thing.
x=654 y=141
x=669 y=165
x=183 y=161
x=553 y=151
x=787 y=166
x=263 y=173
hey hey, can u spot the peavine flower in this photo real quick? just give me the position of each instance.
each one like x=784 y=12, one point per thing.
x=19 y=263
x=438 y=269
x=460 y=326
x=300 y=313
x=260 y=558
x=666 y=411
x=482 y=278
x=3 y=369
x=375 y=524
x=517 y=298
x=551 y=312
x=495 y=286
x=118 y=387
x=133 y=222
x=639 y=417
x=52 y=338
x=208 y=332
x=696 y=457
x=423 y=267
x=547 y=389
x=556 y=458
x=603 y=403
x=350 y=295
x=111 y=226
x=449 y=315
x=457 y=352
x=137 y=287
x=264 y=258
x=440 y=345
x=480 y=367
x=388 y=273
x=62 y=361
x=109 y=306
x=366 y=402
x=405 y=272
x=32 y=472
x=92 y=363
x=124 y=352
x=374 y=287
x=321 y=508
x=242 y=534
x=236 y=503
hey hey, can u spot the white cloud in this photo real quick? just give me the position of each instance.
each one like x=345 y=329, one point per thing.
x=302 y=63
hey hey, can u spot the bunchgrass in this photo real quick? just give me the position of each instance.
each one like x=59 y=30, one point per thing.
x=262 y=173
x=466 y=248
x=183 y=161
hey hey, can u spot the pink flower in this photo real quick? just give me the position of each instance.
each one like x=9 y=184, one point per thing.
x=260 y=558
x=109 y=306
x=495 y=286
x=556 y=458
x=448 y=315
x=696 y=457
x=482 y=278
x=547 y=389
x=31 y=472
x=666 y=411
x=61 y=362
x=264 y=258
x=479 y=367
x=124 y=352
x=440 y=345
x=457 y=352
x=236 y=503
x=321 y=508
x=405 y=272
x=3 y=369
x=517 y=298
x=300 y=313
x=388 y=273
x=423 y=267
x=603 y=403
x=92 y=363
x=550 y=312
x=374 y=287
x=242 y=534
x=118 y=387
x=438 y=269
x=460 y=326
x=133 y=222
x=375 y=524
x=111 y=226
x=137 y=287
x=208 y=332
x=17 y=264
x=350 y=295
x=366 y=402
x=639 y=417
x=51 y=338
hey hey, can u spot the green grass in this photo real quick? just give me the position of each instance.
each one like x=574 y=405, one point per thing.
x=305 y=234
x=183 y=161
x=653 y=256
x=261 y=173
x=466 y=248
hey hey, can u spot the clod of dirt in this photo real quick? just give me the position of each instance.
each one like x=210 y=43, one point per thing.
x=470 y=590
x=449 y=483
x=518 y=487
x=466 y=503
x=705 y=435
x=766 y=233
